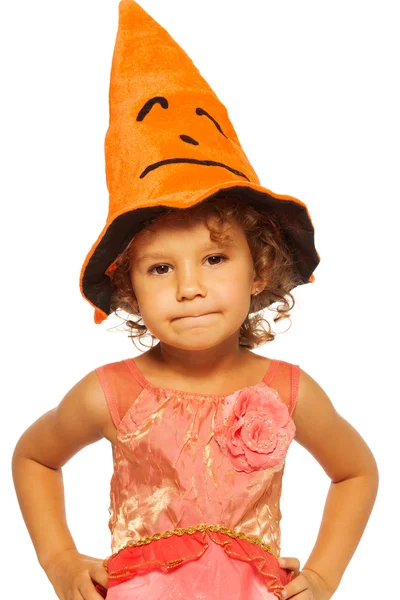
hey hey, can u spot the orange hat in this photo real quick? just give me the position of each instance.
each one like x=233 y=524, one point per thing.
x=170 y=143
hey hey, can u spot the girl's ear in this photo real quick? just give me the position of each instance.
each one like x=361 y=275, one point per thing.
x=257 y=287
x=135 y=303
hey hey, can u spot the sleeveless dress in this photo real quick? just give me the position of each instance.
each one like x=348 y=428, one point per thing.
x=196 y=486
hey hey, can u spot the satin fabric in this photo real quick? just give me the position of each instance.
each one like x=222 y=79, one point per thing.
x=170 y=476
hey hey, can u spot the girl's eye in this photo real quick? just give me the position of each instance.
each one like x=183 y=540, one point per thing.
x=157 y=267
x=217 y=256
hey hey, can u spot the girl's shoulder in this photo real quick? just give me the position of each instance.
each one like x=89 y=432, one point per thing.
x=81 y=418
x=85 y=411
x=325 y=434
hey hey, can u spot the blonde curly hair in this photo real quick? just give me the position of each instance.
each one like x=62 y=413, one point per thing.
x=272 y=260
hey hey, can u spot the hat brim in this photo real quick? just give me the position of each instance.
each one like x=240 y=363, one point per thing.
x=295 y=225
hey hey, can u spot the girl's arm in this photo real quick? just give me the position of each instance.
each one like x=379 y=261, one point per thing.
x=351 y=466
x=81 y=418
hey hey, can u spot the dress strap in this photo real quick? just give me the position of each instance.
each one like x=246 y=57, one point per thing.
x=269 y=375
x=138 y=375
x=284 y=378
x=119 y=387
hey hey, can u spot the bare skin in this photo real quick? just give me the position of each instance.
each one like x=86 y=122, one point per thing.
x=202 y=356
x=82 y=418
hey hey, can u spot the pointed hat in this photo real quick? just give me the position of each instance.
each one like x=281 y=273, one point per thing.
x=170 y=144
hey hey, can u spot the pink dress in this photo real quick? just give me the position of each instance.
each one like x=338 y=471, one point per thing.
x=196 y=487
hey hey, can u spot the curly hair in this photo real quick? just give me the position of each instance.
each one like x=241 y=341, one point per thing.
x=272 y=260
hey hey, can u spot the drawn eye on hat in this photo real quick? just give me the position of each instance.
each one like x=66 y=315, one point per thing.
x=163 y=102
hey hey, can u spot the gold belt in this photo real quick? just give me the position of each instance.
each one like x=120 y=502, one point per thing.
x=202 y=527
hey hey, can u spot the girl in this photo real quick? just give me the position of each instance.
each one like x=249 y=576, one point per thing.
x=194 y=248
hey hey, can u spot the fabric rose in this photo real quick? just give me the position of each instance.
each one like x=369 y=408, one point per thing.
x=254 y=428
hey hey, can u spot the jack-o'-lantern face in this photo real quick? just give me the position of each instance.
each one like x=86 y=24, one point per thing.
x=169 y=146
x=187 y=139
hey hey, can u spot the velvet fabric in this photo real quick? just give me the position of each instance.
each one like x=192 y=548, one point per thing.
x=170 y=143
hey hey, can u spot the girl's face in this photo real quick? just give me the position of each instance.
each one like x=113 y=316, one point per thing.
x=192 y=293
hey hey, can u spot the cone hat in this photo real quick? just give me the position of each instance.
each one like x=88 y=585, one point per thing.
x=170 y=143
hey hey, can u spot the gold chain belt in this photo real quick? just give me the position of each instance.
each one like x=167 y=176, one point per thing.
x=202 y=527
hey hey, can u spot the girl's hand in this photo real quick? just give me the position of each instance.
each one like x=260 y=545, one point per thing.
x=74 y=576
x=307 y=584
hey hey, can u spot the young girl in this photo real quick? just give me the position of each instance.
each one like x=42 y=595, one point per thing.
x=194 y=248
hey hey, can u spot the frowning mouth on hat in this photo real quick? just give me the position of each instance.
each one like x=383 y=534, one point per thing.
x=208 y=163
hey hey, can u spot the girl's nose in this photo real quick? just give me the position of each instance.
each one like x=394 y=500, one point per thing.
x=189 y=286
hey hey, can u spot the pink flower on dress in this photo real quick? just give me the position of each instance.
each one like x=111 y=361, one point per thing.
x=254 y=428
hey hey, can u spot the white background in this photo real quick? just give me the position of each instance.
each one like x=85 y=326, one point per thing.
x=312 y=91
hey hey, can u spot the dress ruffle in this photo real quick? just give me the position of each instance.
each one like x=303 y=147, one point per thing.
x=168 y=553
